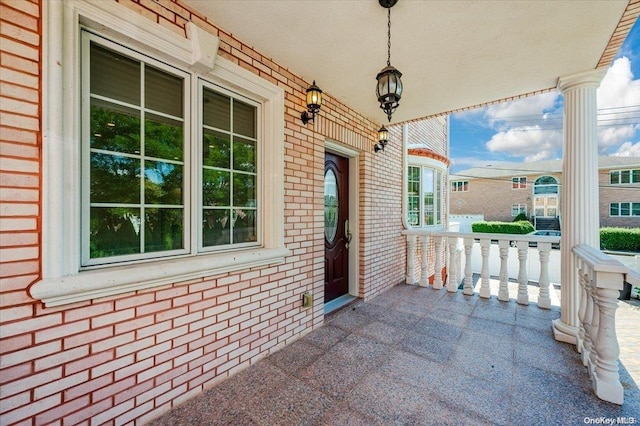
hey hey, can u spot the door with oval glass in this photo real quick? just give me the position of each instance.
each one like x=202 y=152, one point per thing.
x=337 y=235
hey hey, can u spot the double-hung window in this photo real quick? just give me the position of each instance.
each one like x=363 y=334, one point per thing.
x=516 y=209
x=519 y=182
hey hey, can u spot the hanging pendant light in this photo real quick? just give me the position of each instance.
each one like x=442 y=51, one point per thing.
x=389 y=88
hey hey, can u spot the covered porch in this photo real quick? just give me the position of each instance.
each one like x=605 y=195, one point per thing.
x=416 y=355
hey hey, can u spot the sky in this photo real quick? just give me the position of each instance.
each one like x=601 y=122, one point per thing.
x=530 y=129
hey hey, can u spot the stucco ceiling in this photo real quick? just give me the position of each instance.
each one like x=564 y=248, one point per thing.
x=453 y=54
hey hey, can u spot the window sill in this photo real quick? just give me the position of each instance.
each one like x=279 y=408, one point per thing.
x=93 y=284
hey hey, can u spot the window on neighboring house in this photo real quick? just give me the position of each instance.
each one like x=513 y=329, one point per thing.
x=622 y=177
x=516 y=209
x=624 y=209
x=138 y=200
x=519 y=183
x=424 y=196
x=460 y=186
x=546 y=185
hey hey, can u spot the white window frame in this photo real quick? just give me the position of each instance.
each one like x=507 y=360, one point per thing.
x=618 y=174
x=520 y=181
x=62 y=281
x=464 y=186
x=522 y=208
x=422 y=163
x=631 y=203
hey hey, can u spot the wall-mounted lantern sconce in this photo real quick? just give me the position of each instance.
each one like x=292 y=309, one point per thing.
x=383 y=138
x=314 y=102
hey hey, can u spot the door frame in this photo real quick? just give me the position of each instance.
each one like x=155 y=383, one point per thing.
x=354 y=223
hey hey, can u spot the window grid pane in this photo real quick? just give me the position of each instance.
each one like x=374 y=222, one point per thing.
x=136 y=184
x=413 y=195
x=229 y=175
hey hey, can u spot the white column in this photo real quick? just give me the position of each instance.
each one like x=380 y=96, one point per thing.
x=579 y=195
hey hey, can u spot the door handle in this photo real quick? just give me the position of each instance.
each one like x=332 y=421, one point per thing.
x=347 y=233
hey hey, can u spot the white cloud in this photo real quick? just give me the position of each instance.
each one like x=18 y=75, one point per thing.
x=618 y=107
x=614 y=135
x=531 y=108
x=618 y=88
x=628 y=149
x=533 y=143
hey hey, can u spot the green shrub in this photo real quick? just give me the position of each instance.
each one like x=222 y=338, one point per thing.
x=521 y=227
x=521 y=217
x=620 y=239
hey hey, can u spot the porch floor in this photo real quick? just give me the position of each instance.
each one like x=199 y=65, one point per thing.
x=421 y=356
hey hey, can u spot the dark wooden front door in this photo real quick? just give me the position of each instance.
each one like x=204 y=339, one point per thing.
x=336 y=226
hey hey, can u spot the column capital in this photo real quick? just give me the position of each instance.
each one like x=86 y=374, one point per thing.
x=581 y=79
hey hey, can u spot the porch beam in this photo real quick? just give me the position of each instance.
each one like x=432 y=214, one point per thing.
x=579 y=193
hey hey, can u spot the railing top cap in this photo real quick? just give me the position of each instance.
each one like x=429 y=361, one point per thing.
x=597 y=260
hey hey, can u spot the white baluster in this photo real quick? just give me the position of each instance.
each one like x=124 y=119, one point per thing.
x=523 y=280
x=544 y=300
x=437 y=281
x=593 y=330
x=424 y=246
x=582 y=305
x=606 y=381
x=585 y=281
x=411 y=259
x=485 y=289
x=468 y=273
x=503 y=292
x=459 y=251
x=452 y=286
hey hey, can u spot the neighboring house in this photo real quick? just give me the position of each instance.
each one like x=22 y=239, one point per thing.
x=503 y=191
x=165 y=209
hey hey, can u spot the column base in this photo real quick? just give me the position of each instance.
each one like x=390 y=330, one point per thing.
x=564 y=333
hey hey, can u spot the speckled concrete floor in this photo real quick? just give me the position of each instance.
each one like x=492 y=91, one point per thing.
x=418 y=356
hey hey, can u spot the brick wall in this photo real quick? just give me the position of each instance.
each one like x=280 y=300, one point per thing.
x=492 y=197
x=133 y=356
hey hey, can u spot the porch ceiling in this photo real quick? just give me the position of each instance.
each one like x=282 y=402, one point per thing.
x=453 y=54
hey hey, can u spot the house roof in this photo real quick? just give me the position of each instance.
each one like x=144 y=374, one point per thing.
x=539 y=167
x=453 y=54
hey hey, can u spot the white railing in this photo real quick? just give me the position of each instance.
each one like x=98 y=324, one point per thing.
x=456 y=244
x=601 y=279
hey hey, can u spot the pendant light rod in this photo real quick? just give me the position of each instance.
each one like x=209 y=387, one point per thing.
x=389 y=86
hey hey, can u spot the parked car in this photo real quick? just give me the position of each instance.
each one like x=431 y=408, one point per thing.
x=546 y=232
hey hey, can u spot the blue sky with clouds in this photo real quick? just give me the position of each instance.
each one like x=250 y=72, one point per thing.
x=531 y=129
